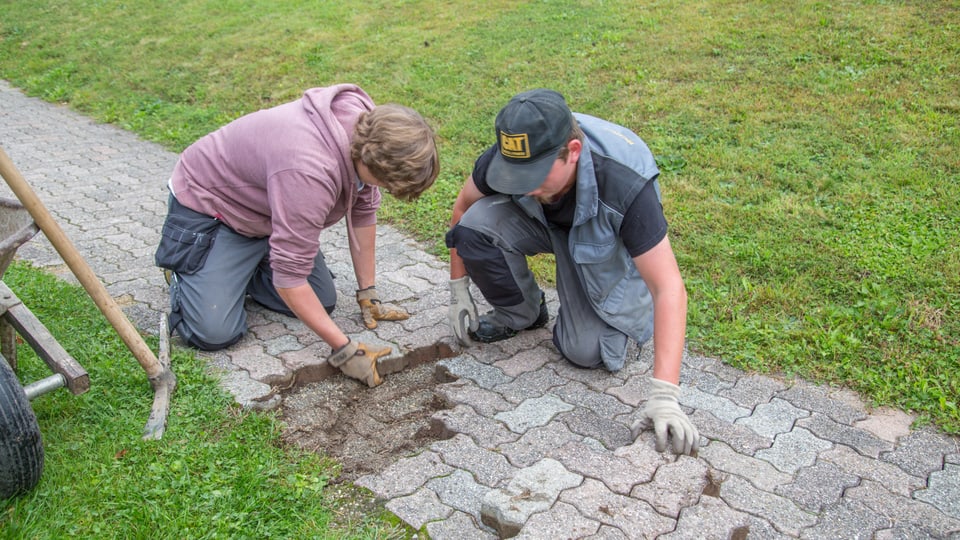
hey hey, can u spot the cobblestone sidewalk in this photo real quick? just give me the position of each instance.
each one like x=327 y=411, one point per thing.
x=538 y=449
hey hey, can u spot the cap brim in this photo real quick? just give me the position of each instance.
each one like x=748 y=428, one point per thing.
x=519 y=179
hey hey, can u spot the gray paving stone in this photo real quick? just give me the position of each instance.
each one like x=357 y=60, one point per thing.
x=261 y=366
x=483 y=401
x=559 y=521
x=783 y=514
x=467 y=367
x=643 y=456
x=457 y=526
x=529 y=385
x=585 y=422
x=862 y=441
x=526 y=361
x=818 y=399
x=616 y=472
x=250 y=394
x=847 y=519
x=773 y=418
x=710 y=519
x=744 y=439
x=533 y=412
x=533 y=489
x=794 y=450
x=721 y=407
x=817 y=486
x=752 y=390
x=943 y=490
x=887 y=474
x=604 y=405
x=675 y=486
x=487 y=433
x=406 y=475
x=537 y=443
x=903 y=510
x=703 y=381
x=460 y=491
x=489 y=468
x=636 y=519
x=632 y=392
x=597 y=380
x=921 y=452
x=418 y=509
x=758 y=472
x=606 y=532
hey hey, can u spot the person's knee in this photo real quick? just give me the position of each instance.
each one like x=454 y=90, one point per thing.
x=207 y=338
x=580 y=353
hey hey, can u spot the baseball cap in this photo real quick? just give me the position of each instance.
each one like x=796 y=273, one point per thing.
x=531 y=129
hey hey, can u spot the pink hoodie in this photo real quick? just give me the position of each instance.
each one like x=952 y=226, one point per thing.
x=283 y=172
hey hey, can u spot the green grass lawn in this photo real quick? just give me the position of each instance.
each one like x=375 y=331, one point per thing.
x=809 y=149
x=218 y=472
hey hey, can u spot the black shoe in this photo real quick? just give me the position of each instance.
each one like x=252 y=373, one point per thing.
x=489 y=331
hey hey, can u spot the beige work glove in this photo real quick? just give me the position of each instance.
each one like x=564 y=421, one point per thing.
x=358 y=361
x=373 y=310
x=462 y=314
x=662 y=409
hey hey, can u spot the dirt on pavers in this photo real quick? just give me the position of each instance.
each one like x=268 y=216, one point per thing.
x=366 y=429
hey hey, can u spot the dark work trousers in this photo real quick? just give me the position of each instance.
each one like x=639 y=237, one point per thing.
x=207 y=305
x=494 y=238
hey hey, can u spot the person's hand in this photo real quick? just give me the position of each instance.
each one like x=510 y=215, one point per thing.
x=373 y=310
x=359 y=361
x=663 y=411
x=462 y=314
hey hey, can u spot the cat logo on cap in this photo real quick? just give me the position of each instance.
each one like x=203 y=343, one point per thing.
x=514 y=146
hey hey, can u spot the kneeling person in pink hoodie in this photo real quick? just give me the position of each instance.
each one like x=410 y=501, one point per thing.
x=248 y=202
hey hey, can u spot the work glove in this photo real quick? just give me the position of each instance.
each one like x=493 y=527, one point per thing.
x=373 y=310
x=358 y=361
x=463 y=312
x=663 y=411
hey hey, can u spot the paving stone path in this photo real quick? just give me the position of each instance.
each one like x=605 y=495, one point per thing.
x=538 y=449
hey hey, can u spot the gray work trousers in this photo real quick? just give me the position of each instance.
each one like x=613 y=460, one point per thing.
x=498 y=238
x=207 y=305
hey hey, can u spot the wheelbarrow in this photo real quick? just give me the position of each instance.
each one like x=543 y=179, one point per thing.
x=21 y=447
x=21 y=219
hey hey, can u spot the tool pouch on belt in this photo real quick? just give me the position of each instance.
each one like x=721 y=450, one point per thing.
x=185 y=239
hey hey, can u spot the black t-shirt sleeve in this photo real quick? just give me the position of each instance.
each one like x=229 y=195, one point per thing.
x=480 y=171
x=644 y=224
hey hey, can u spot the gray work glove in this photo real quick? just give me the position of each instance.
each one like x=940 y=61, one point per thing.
x=463 y=312
x=358 y=361
x=373 y=310
x=663 y=411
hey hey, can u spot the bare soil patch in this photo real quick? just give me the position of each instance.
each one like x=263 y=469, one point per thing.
x=366 y=429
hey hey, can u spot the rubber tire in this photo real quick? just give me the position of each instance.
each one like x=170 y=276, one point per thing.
x=21 y=446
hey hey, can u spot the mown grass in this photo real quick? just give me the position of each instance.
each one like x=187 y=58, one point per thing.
x=218 y=472
x=808 y=149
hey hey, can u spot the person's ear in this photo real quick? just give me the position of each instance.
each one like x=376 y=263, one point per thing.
x=574 y=147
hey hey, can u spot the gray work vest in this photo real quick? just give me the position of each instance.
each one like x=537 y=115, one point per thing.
x=614 y=166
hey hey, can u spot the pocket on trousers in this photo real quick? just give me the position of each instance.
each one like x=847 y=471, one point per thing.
x=185 y=241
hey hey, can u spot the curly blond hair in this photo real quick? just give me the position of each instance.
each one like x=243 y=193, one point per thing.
x=399 y=148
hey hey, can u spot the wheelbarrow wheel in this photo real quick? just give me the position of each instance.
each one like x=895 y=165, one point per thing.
x=21 y=447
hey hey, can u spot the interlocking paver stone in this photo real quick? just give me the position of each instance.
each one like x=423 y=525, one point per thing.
x=533 y=412
x=783 y=513
x=773 y=418
x=406 y=475
x=419 y=508
x=903 y=510
x=758 y=472
x=816 y=486
x=943 y=490
x=675 y=486
x=921 y=452
x=861 y=441
x=791 y=451
x=711 y=518
x=533 y=489
x=460 y=491
x=635 y=518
